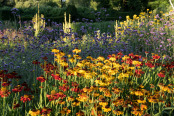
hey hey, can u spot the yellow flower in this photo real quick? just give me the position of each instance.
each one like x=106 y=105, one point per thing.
x=87 y=75
x=83 y=97
x=53 y=92
x=106 y=109
x=69 y=55
x=34 y=112
x=87 y=89
x=136 y=62
x=72 y=60
x=76 y=51
x=55 y=50
x=103 y=103
x=118 y=112
x=76 y=103
x=101 y=58
x=64 y=64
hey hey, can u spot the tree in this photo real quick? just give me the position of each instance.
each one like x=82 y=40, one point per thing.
x=104 y=3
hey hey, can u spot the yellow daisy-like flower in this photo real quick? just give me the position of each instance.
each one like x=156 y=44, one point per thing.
x=76 y=51
x=106 y=109
x=34 y=112
x=101 y=58
x=55 y=50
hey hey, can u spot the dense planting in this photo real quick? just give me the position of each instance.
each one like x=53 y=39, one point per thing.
x=124 y=68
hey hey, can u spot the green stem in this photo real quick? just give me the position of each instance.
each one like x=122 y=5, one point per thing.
x=4 y=106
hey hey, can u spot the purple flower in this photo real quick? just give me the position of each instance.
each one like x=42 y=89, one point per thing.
x=169 y=40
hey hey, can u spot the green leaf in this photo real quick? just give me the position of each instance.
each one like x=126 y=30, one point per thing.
x=158 y=114
x=9 y=108
x=169 y=108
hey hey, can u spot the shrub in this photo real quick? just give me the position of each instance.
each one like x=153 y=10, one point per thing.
x=71 y=9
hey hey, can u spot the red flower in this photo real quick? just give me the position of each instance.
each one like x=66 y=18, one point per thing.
x=45 y=111
x=139 y=71
x=74 y=84
x=149 y=65
x=56 y=77
x=64 y=87
x=146 y=52
x=26 y=98
x=69 y=74
x=41 y=79
x=76 y=89
x=17 y=88
x=129 y=61
x=120 y=53
x=161 y=74
x=35 y=62
x=16 y=105
x=136 y=57
x=156 y=56
x=55 y=96
x=109 y=56
x=65 y=81
x=44 y=58
x=5 y=84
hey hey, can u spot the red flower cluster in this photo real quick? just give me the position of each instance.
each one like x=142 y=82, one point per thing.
x=156 y=56
x=45 y=111
x=26 y=98
x=56 y=96
x=161 y=74
x=64 y=87
x=56 y=77
x=17 y=88
x=35 y=62
x=41 y=79
x=149 y=65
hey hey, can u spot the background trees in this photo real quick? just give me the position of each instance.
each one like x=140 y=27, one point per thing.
x=83 y=8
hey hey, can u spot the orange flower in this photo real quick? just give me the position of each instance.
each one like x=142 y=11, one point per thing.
x=137 y=112
x=80 y=113
x=4 y=92
x=65 y=111
x=143 y=107
x=118 y=112
x=71 y=98
x=153 y=99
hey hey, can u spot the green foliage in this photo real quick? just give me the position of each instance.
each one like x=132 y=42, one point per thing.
x=19 y=5
x=135 y=5
x=27 y=4
x=52 y=4
x=84 y=12
x=71 y=9
x=6 y=13
x=104 y=3
x=160 y=5
x=94 y=4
